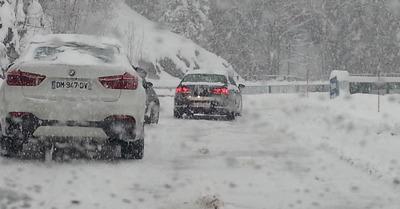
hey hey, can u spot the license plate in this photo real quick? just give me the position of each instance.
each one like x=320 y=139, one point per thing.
x=85 y=85
x=202 y=104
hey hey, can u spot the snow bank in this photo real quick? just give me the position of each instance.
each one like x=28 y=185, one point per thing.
x=340 y=75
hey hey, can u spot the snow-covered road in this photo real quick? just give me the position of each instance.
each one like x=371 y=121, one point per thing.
x=287 y=151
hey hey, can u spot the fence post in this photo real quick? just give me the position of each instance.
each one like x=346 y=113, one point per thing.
x=379 y=90
x=308 y=74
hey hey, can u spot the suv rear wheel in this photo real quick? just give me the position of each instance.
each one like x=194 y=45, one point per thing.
x=132 y=150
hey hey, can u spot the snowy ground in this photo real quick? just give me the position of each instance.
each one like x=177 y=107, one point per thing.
x=287 y=151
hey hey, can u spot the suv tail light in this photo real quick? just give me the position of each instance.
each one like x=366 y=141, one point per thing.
x=221 y=91
x=182 y=90
x=19 y=78
x=119 y=117
x=120 y=127
x=125 y=81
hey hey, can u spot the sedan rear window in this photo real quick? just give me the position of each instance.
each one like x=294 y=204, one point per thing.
x=211 y=78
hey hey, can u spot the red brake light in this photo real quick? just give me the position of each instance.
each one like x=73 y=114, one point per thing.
x=20 y=114
x=221 y=91
x=19 y=78
x=182 y=90
x=125 y=81
x=119 y=117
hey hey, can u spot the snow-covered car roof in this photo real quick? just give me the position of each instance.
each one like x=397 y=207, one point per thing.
x=205 y=77
x=74 y=49
x=210 y=71
x=93 y=40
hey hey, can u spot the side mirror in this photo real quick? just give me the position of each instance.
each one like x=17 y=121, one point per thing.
x=149 y=84
x=241 y=86
x=142 y=72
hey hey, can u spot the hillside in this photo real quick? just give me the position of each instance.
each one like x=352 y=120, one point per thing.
x=165 y=55
x=161 y=52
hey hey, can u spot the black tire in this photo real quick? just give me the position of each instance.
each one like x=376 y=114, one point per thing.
x=147 y=119
x=239 y=112
x=155 y=115
x=10 y=147
x=177 y=114
x=231 y=115
x=132 y=150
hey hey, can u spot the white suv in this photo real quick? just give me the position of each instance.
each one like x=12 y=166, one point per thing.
x=70 y=89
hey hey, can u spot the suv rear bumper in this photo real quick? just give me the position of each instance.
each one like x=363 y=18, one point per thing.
x=26 y=125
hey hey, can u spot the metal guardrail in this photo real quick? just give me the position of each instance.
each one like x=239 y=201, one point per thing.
x=263 y=89
x=282 y=89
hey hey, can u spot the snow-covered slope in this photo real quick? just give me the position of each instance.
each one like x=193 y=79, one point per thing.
x=167 y=56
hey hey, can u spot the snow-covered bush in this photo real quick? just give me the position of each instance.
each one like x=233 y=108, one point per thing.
x=4 y=60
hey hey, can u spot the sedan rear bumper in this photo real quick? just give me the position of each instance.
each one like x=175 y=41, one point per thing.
x=203 y=105
x=198 y=110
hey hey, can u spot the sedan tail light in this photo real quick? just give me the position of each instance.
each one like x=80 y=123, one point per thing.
x=125 y=81
x=20 y=114
x=221 y=91
x=20 y=78
x=182 y=90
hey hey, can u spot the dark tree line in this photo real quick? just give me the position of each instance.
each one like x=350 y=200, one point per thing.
x=287 y=37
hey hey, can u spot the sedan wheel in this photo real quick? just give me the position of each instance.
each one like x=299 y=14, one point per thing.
x=239 y=111
x=177 y=114
x=9 y=147
x=231 y=115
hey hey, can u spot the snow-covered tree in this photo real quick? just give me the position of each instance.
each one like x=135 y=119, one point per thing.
x=4 y=60
x=362 y=37
x=187 y=17
x=35 y=23
x=78 y=16
x=19 y=21
x=8 y=33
